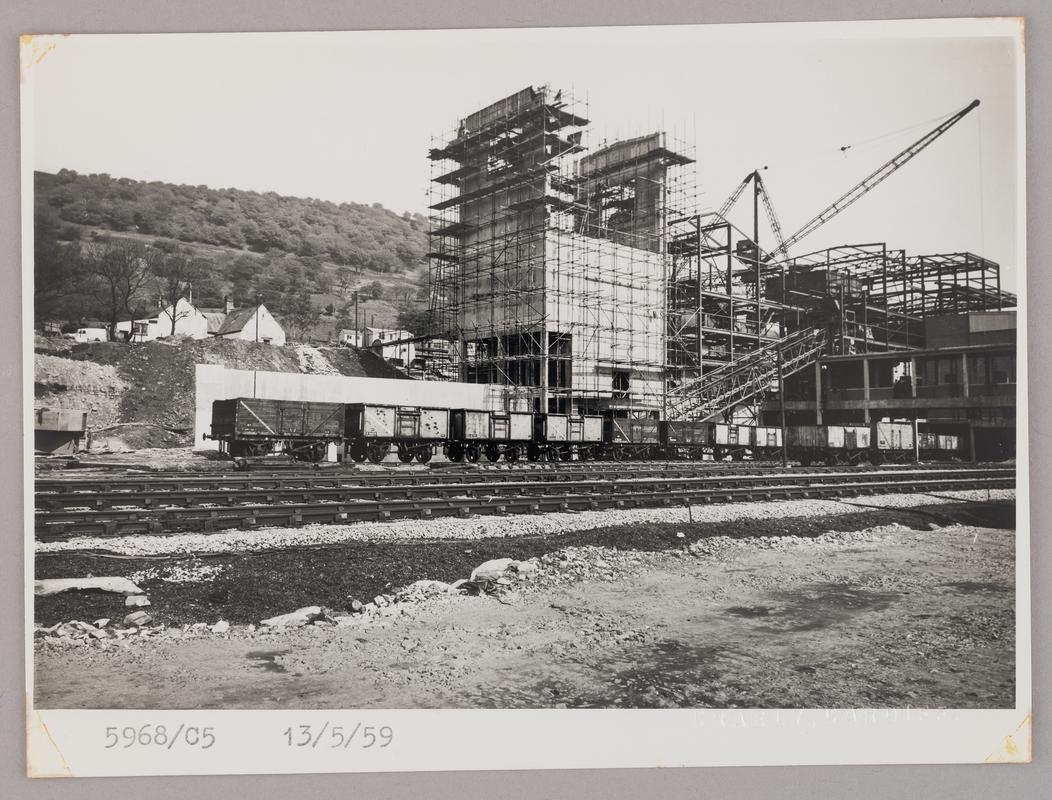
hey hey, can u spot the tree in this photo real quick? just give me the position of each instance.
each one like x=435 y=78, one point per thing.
x=299 y=314
x=345 y=278
x=415 y=320
x=176 y=273
x=54 y=268
x=375 y=290
x=118 y=271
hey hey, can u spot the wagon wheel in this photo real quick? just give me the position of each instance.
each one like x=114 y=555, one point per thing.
x=565 y=453
x=511 y=454
x=357 y=451
x=257 y=448
x=551 y=453
x=492 y=452
x=876 y=458
x=405 y=453
x=831 y=459
x=584 y=453
x=455 y=452
x=317 y=453
x=533 y=451
x=472 y=453
x=423 y=453
x=377 y=451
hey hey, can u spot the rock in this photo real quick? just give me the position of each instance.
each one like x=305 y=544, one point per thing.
x=455 y=586
x=221 y=627
x=137 y=618
x=356 y=606
x=681 y=535
x=102 y=623
x=426 y=588
x=492 y=569
x=380 y=601
x=49 y=586
x=295 y=619
x=390 y=598
x=526 y=567
x=137 y=600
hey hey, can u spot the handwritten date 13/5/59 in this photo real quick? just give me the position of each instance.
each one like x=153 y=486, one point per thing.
x=337 y=736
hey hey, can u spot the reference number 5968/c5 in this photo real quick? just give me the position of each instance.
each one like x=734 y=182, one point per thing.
x=163 y=736
x=338 y=736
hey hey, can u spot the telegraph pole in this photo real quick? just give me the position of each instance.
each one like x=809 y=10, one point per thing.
x=259 y=299
x=781 y=407
x=357 y=328
x=756 y=250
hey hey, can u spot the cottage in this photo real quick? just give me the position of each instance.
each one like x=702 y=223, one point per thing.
x=189 y=321
x=252 y=323
x=393 y=345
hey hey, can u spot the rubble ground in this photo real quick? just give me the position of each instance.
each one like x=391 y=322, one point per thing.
x=871 y=609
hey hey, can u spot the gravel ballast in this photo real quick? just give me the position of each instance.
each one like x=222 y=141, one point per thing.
x=499 y=527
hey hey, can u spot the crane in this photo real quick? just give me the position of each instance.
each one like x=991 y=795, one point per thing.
x=869 y=182
x=883 y=172
x=760 y=188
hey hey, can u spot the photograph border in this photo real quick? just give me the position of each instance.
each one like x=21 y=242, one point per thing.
x=1020 y=735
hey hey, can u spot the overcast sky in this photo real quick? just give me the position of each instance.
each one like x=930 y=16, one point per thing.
x=350 y=116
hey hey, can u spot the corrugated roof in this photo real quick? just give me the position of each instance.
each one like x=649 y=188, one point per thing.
x=215 y=320
x=236 y=320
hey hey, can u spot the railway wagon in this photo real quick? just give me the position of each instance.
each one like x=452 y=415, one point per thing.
x=371 y=429
x=631 y=438
x=247 y=426
x=829 y=444
x=58 y=431
x=558 y=436
x=687 y=438
x=948 y=443
x=892 y=441
x=766 y=441
x=475 y=432
x=731 y=440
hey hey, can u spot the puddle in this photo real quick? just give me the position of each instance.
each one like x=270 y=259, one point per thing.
x=267 y=659
x=814 y=607
x=749 y=611
x=666 y=674
x=979 y=587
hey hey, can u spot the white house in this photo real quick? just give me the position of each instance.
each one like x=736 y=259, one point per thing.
x=391 y=344
x=188 y=322
x=252 y=323
x=351 y=337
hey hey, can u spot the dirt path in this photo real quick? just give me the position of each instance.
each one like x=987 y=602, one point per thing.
x=887 y=617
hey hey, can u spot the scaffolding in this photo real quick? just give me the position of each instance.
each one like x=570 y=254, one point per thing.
x=548 y=261
x=583 y=279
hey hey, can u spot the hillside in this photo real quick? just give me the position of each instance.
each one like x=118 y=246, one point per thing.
x=347 y=234
x=304 y=258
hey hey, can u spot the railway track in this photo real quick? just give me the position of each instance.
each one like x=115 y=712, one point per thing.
x=423 y=501
x=333 y=477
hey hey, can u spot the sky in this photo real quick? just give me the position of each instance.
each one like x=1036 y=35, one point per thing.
x=350 y=116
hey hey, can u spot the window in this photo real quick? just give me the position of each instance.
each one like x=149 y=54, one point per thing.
x=1002 y=369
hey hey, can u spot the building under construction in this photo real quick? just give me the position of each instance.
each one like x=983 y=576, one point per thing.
x=584 y=278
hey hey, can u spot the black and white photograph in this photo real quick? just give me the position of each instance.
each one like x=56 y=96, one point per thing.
x=657 y=369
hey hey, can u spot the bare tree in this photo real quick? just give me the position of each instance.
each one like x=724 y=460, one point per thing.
x=119 y=271
x=176 y=273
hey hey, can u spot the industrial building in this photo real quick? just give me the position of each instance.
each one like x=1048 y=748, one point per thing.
x=586 y=279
